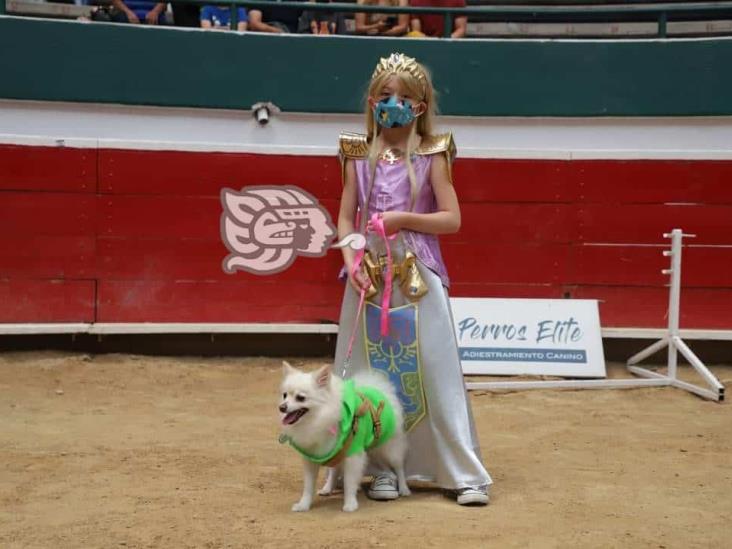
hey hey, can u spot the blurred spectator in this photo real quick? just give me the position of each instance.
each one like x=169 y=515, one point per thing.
x=218 y=18
x=382 y=24
x=139 y=11
x=274 y=19
x=432 y=24
x=186 y=15
x=321 y=22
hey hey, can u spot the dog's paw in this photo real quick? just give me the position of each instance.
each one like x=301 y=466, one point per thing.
x=405 y=491
x=301 y=506
x=350 y=506
x=325 y=491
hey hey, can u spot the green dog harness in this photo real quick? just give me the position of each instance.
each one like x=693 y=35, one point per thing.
x=367 y=421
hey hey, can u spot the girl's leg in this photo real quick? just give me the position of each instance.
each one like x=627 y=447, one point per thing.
x=444 y=445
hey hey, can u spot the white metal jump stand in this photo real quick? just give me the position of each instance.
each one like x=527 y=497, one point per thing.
x=651 y=379
x=673 y=338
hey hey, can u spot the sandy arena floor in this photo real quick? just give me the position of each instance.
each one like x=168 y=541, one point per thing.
x=130 y=451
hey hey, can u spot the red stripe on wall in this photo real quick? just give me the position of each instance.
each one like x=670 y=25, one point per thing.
x=58 y=169
x=25 y=214
x=173 y=173
x=500 y=223
x=494 y=180
x=158 y=216
x=587 y=181
x=507 y=263
x=47 y=300
x=654 y=181
x=150 y=237
x=530 y=291
x=645 y=224
x=195 y=259
x=44 y=256
x=242 y=300
x=47 y=235
x=641 y=266
x=648 y=307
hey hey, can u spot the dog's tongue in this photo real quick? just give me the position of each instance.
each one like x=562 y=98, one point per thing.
x=291 y=418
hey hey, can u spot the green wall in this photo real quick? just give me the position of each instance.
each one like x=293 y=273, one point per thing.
x=69 y=61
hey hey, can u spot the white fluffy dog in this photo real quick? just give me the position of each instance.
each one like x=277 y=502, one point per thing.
x=318 y=421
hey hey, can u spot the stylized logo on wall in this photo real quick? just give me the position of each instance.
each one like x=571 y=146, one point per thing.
x=266 y=227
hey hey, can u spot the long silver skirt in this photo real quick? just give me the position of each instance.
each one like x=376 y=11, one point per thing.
x=443 y=446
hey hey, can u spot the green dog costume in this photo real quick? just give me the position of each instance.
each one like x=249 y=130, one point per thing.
x=367 y=421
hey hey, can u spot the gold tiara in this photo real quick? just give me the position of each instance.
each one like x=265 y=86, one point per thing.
x=397 y=63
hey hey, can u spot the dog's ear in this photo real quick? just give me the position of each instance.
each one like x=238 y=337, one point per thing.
x=287 y=368
x=322 y=376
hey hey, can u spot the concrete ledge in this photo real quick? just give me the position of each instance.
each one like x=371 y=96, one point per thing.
x=47 y=9
x=150 y=328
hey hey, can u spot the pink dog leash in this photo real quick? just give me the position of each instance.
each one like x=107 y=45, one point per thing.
x=354 y=270
x=377 y=222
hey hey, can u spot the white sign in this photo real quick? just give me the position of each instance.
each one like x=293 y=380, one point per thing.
x=558 y=337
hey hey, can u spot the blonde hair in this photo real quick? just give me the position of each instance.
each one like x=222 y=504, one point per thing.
x=415 y=82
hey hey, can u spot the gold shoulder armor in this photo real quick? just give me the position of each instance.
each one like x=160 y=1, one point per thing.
x=442 y=142
x=353 y=145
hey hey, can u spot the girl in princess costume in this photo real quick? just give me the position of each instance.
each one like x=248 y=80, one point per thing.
x=398 y=191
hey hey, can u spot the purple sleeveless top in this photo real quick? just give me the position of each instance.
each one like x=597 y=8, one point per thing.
x=391 y=192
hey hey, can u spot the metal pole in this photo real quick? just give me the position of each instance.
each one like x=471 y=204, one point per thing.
x=648 y=351
x=447 y=28
x=662 y=23
x=697 y=364
x=567 y=384
x=233 y=16
x=674 y=300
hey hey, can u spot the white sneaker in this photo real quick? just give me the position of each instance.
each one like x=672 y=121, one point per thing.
x=383 y=487
x=472 y=496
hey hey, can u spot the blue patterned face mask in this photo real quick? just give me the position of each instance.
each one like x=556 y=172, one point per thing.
x=392 y=113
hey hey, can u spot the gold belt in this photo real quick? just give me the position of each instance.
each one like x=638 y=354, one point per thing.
x=410 y=281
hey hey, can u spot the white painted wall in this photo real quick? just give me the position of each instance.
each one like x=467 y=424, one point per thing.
x=156 y=128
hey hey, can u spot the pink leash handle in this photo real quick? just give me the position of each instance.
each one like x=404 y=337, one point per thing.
x=377 y=222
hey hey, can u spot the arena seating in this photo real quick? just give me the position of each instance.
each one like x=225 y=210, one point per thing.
x=629 y=25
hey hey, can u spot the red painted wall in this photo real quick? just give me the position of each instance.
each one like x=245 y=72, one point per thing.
x=133 y=236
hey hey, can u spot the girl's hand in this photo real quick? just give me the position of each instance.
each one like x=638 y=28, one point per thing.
x=393 y=222
x=359 y=280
